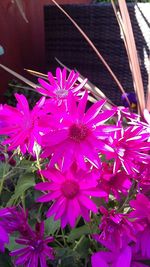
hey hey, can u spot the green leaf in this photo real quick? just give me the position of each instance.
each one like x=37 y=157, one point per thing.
x=67 y=257
x=25 y=182
x=12 y=244
x=4 y=168
x=78 y=232
x=87 y=229
x=51 y=226
x=82 y=247
x=5 y=260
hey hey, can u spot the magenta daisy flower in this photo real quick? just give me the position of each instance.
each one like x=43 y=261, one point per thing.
x=124 y=258
x=15 y=219
x=70 y=193
x=78 y=135
x=8 y=224
x=116 y=230
x=141 y=214
x=113 y=259
x=114 y=183
x=20 y=124
x=124 y=113
x=35 y=251
x=59 y=87
x=4 y=238
x=143 y=177
x=143 y=122
x=130 y=147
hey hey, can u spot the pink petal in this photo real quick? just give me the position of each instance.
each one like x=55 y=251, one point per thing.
x=72 y=78
x=124 y=259
x=48 y=197
x=71 y=215
x=102 y=118
x=59 y=77
x=55 y=137
x=82 y=105
x=22 y=103
x=64 y=75
x=80 y=86
x=98 y=261
x=94 y=111
x=52 y=80
x=88 y=203
x=55 y=207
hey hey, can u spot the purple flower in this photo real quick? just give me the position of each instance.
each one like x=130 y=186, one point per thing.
x=15 y=219
x=35 y=249
x=132 y=99
x=4 y=238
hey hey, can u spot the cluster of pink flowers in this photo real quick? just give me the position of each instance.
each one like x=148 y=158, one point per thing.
x=94 y=155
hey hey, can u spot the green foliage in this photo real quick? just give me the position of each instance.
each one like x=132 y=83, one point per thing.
x=68 y=257
x=51 y=226
x=5 y=260
x=25 y=182
x=83 y=230
x=12 y=244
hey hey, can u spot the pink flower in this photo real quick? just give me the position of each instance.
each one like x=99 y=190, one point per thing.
x=4 y=238
x=141 y=206
x=20 y=124
x=59 y=87
x=120 y=258
x=114 y=183
x=124 y=113
x=70 y=193
x=141 y=214
x=130 y=147
x=78 y=135
x=116 y=230
x=143 y=177
x=144 y=123
x=138 y=260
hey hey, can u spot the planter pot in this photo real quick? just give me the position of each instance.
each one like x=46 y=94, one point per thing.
x=64 y=42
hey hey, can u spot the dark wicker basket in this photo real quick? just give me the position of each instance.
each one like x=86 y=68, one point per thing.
x=99 y=23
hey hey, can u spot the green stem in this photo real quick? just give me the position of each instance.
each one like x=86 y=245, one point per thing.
x=3 y=178
x=63 y=237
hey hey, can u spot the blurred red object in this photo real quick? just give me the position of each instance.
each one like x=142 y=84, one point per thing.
x=23 y=42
